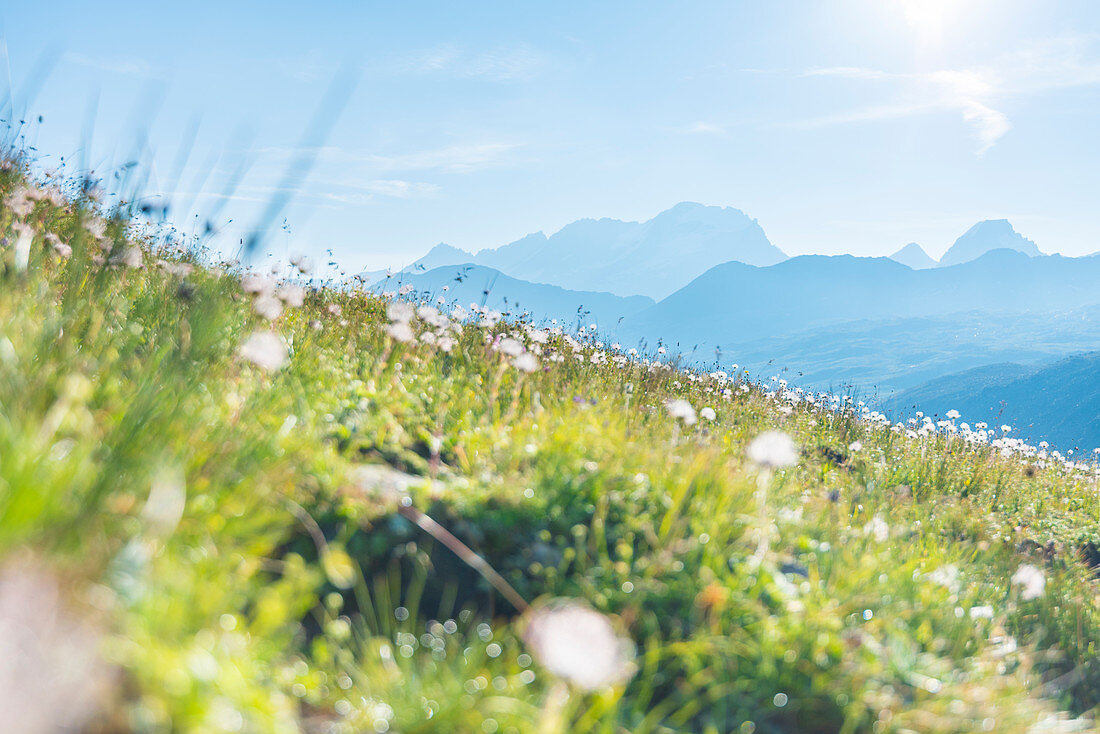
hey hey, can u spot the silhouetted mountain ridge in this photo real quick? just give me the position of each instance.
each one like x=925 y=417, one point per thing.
x=651 y=258
x=914 y=256
x=983 y=237
x=469 y=283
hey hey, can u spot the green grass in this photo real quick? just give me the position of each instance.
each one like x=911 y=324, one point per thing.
x=289 y=591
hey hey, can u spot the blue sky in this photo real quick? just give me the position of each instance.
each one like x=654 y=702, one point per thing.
x=843 y=126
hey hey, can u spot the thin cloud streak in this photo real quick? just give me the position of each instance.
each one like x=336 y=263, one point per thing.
x=501 y=64
x=976 y=94
x=457 y=158
x=125 y=66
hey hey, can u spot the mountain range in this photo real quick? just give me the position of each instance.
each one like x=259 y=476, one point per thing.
x=734 y=303
x=706 y=283
x=983 y=237
x=469 y=284
x=651 y=258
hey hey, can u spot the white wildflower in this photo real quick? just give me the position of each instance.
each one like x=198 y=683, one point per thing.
x=855 y=446
x=131 y=256
x=526 y=362
x=401 y=331
x=268 y=306
x=20 y=202
x=63 y=250
x=708 y=413
x=877 y=528
x=510 y=347
x=265 y=349
x=292 y=295
x=304 y=263
x=774 y=449
x=51 y=678
x=23 y=247
x=579 y=644
x=257 y=285
x=681 y=409
x=400 y=312
x=946 y=576
x=1032 y=579
x=167 y=499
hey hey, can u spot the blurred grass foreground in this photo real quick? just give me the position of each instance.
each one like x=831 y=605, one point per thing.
x=236 y=501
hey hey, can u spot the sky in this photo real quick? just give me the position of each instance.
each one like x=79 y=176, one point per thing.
x=850 y=126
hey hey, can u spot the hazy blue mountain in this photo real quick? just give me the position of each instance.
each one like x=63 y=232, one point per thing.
x=983 y=237
x=469 y=283
x=914 y=256
x=1058 y=402
x=882 y=357
x=651 y=258
x=735 y=303
x=439 y=256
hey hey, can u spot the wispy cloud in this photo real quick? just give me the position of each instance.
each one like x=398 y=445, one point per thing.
x=349 y=190
x=976 y=94
x=515 y=63
x=462 y=158
x=457 y=158
x=116 y=65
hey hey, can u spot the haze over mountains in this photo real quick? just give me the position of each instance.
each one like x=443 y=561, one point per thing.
x=706 y=283
x=652 y=258
x=476 y=284
x=1058 y=402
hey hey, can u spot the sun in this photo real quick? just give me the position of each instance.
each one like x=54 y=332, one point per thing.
x=929 y=19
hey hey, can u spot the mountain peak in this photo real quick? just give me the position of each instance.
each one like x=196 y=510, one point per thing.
x=444 y=249
x=440 y=255
x=652 y=258
x=990 y=234
x=914 y=256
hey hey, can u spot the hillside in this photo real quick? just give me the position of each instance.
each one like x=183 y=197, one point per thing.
x=467 y=284
x=879 y=357
x=1057 y=403
x=234 y=503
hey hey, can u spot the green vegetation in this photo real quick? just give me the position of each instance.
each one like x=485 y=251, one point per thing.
x=209 y=522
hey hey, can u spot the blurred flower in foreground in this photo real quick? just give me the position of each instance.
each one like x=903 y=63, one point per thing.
x=23 y=246
x=708 y=414
x=51 y=678
x=681 y=409
x=1032 y=579
x=578 y=644
x=266 y=350
x=526 y=362
x=773 y=449
x=401 y=331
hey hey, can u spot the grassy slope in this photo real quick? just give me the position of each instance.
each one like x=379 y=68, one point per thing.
x=291 y=594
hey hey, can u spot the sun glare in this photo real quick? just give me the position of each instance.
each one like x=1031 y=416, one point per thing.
x=929 y=19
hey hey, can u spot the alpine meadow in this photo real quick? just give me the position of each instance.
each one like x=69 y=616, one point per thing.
x=606 y=459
